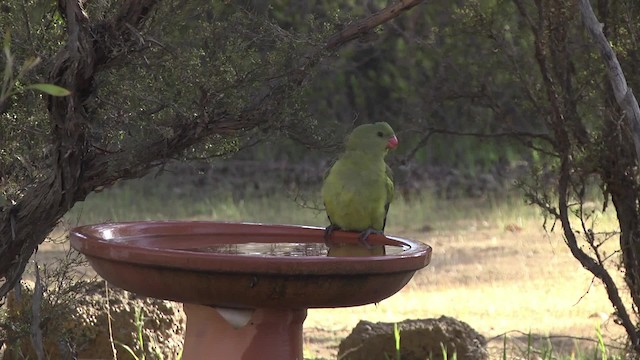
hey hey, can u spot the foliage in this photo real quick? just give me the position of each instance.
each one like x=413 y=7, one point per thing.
x=139 y=340
x=546 y=351
x=139 y=322
x=519 y=69
x=149 y=82
x=434 y=69
x=228 y=57
x=54 y=292
x=581 y=114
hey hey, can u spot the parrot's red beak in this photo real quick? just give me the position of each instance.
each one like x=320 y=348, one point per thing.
x=393 y=143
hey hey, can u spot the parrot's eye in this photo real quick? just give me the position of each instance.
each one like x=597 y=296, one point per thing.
x=380 y=134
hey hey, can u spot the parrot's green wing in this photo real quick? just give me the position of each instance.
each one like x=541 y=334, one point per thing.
x=390 y=191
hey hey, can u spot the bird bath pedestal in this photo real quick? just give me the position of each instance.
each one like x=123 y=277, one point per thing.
x=245 y=288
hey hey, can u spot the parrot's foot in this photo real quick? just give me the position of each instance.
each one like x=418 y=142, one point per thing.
x=328 y=231
x=365 y=235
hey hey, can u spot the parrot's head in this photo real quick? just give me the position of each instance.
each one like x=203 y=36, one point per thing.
x=372 y=137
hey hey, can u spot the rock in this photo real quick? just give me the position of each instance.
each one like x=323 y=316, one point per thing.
x=75 y=324
x=419 y=340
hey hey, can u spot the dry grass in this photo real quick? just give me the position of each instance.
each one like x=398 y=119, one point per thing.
x=495 y=280
x=499 y=272
x=493 y=265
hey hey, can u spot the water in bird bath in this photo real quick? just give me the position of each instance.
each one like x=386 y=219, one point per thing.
x=278 y=249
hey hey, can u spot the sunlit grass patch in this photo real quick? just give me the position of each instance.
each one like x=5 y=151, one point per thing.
x=139 y=200
x=166 y=197
x=149 y=200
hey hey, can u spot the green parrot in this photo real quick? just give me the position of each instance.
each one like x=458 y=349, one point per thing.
x=358 y=188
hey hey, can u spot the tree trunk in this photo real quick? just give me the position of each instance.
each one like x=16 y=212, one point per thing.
x=621 y=154
x=617 y=166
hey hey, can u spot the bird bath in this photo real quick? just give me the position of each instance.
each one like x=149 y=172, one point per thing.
x=245 y=287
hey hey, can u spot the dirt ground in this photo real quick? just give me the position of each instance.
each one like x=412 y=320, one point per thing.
x=514 y=279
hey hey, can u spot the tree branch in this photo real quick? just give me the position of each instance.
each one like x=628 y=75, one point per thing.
x=558 y=125
x=78 y=169
x=363 y=26
x=623 y=94
x=26 y=224
x=430 y=131
x=589 y=263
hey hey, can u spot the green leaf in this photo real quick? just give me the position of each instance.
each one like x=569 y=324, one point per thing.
x=53 y=90
x=396 y=335
x=129 y=350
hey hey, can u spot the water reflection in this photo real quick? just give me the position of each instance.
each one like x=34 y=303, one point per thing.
x=278 y=249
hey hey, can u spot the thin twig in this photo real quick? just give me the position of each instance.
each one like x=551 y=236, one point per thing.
x=110 y=327
x=501 y=337
x=430 y=131
x=593 y=280
x=36 y=315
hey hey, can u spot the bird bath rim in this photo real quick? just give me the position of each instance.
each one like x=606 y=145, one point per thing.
x=142 y=243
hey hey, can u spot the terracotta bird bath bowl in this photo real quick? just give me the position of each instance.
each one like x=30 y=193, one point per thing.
x=245 y=287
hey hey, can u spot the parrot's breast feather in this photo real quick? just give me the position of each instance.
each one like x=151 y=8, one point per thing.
x=355 y=195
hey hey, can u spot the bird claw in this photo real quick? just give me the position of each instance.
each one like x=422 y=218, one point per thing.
x=365 y=235
x=328 y=231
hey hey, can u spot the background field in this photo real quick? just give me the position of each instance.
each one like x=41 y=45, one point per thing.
x=493 y=266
